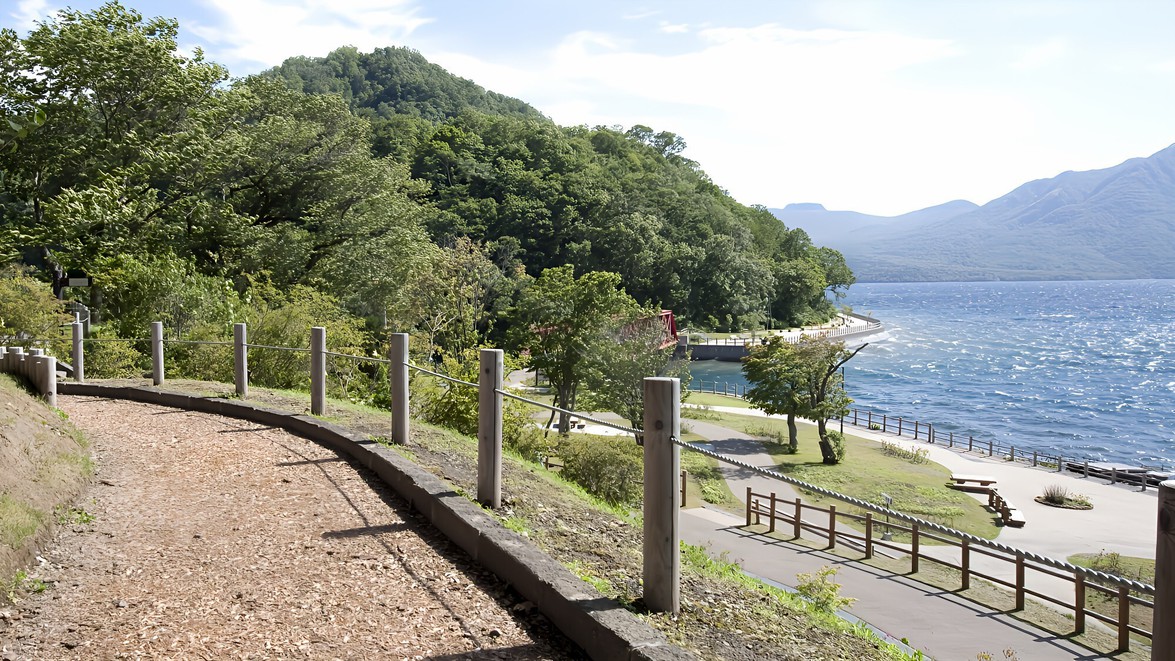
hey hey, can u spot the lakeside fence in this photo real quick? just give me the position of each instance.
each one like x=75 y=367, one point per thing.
x=1023 y=572
x=1144 y=476
x=660 y=436
x=871 y=326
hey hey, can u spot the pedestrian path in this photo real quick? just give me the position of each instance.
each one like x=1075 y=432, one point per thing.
x=939 y=622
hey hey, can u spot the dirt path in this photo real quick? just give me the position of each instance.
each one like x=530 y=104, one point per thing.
x=216 y=538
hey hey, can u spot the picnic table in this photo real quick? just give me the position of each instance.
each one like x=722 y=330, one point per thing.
x=972 y=482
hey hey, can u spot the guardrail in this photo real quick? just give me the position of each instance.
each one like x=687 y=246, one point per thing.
x=660 y=437
x=789 y=513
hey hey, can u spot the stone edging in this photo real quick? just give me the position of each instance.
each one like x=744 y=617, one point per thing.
x=601 y=627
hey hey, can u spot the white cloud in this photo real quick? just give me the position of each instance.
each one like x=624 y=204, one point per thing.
x=673 y=28
x=263 y=33
x=28 y=12
x=1050 y=52
x=777 y=115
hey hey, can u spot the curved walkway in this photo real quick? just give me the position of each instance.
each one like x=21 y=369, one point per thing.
x=218 y=538
x=941 y=623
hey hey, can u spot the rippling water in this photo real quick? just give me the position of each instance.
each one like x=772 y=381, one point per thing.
x=1078 y=368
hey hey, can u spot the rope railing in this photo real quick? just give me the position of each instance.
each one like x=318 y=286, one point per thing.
x=270 y=346
x=445 y=377
x=577 y=414
x=369 y=359
x=116 y=339
x=973 y=539
x=209 y=342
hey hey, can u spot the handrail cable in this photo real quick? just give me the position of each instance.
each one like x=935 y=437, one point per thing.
x=605 y=423
x=441 y=376
x=367 y=358
x=268 y=346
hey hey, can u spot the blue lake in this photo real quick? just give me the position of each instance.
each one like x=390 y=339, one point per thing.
x=1077 y=368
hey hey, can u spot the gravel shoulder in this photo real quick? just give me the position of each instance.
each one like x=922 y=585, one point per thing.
x=217 y=538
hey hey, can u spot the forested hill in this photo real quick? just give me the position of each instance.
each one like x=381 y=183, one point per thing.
x=377 y=184
x=601 y=198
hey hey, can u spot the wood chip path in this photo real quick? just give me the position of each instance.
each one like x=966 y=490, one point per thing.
x=216 y=538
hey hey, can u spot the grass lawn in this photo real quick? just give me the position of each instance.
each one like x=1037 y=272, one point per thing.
x=866 y=473
x=708 y=399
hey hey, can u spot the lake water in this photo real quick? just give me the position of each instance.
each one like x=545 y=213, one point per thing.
x=1076 y=368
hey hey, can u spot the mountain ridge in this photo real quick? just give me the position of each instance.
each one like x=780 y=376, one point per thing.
x=1112 y=223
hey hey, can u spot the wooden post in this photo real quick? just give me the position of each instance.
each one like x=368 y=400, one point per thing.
x=398 y=384
x=1019 y=581
x=899 y=426
x=1012 y=452
x=831 y=527
x=1163 y=643
x=1034 y=458
x=854 y=417
x=79 y=352
x=1079 y=604
x=771 y=519
x=1113 y=475
x=990 y=452
x=241 y=360
x=662 y=562
x=318 y=370
x=684 y=477
x=913 y=548
x=1124 y=621
x=966 y=564
x=869 y=418
x=916 y=430
x=157 y=352
x=1086 y=468
x=749 y=506
x=868 y=535
x=796 y=524
x=970 y=443
x=489 y=428
x=1060 y=463
x=884 y=421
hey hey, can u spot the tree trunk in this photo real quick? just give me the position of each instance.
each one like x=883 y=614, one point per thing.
x=793 y=434
x=825 y=447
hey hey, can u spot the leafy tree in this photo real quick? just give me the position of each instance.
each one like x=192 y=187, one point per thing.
x=28 y=307
x=617 y=368
x=800 y=379
x=824 y=391
x=561 y=320
x=777 y=381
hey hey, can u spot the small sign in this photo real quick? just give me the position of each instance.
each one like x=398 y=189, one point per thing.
x=79 y=282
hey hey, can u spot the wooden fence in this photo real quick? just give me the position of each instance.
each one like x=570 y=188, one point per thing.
x=833 y=525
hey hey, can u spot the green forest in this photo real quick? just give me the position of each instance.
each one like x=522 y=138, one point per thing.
x=373 y=189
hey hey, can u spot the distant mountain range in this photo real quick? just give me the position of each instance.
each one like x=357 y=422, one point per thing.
x=1116 y=223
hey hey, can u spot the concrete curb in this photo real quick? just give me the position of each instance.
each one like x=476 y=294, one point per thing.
x=600 y=626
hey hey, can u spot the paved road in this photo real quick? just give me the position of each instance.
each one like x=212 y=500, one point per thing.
x=940 y=623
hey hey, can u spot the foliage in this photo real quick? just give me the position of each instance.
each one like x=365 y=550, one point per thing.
x=616 y=369
x=836 y=441
x=1055 y=494
x=821 y=591
x=912 y=454
x=284 y=319
x=28 y=307
x=610 y=468
x=561 y=321
x=777 y=378
x=114 y=360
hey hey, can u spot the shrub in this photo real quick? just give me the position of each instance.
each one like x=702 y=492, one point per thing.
x=610 y=468
x=837 y=441
x=1055 y=494
x=114 y=360
x=28 y=307
x=821 y=592
x=875 y=426
x=911 y=454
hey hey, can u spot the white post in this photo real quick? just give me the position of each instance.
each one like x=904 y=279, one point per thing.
x=662 y=563
x=157 y=352
x=79 y=352
x=398 y=384
x=17 y=364
x=318 y=370
x=1163 y=642
x=241 y=360
x=489 y=428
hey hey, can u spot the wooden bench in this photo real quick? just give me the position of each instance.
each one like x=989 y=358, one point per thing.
x=980 y=483
x=1008 y=513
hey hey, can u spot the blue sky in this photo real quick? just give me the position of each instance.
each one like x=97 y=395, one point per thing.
x=879 y=107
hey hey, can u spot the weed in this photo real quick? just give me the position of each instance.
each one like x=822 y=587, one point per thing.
x=1055 y=494
x=22 y=583
x=821 y=592
x=517 y=524
x=71 y=516
x=911 y=454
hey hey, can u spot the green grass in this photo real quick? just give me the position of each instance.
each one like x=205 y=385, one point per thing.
x=709 y=399
x=1134 y=568
x=18 y=521
x=867 y=472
